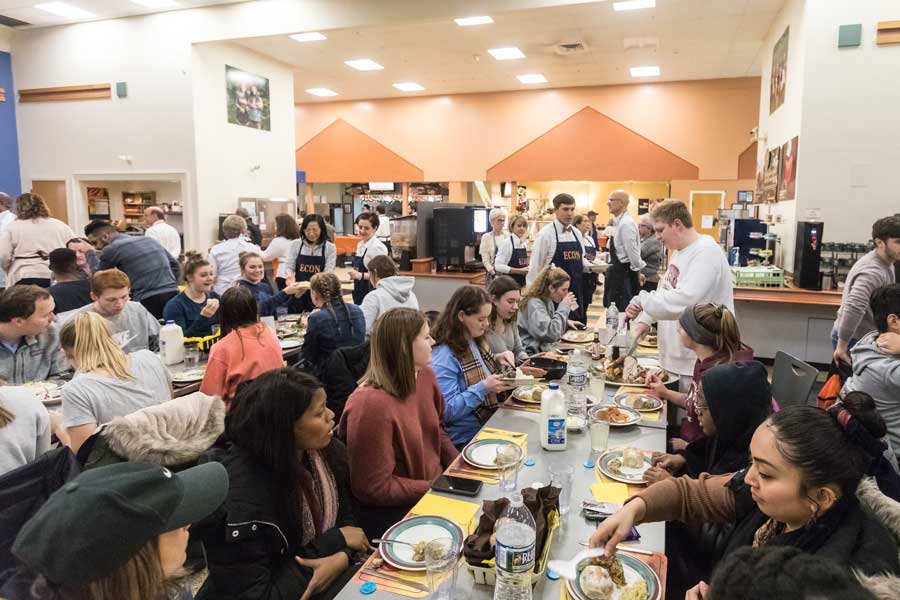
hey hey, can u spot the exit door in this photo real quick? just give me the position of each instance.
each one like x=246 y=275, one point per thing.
x=703 y=210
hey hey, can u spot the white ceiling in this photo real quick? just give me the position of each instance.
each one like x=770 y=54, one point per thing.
x=24 y=10
x=698 y=39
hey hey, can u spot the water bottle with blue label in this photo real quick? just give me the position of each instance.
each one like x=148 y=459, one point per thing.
x=577 y=381
x=516 y=535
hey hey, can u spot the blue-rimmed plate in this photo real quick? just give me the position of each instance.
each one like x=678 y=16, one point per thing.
x=483 y=453
x=413 y=530
x=638 y=402
x=635 y=570
x=612 y=465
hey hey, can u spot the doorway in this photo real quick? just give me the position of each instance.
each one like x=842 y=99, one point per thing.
x=53 y=191
x=703 y=210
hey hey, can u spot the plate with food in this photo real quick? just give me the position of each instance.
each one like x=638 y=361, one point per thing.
x=416 y=532
x=630 y=372
x=289 y=344
x=619 y=577
x=530 y=393
x=48 y=392
x=483 y=453
x=517 y=377
x=616 y=416
x=649 y=341
x=189 y=376
x=578 y=337
x=627 y=465
x=639 y=402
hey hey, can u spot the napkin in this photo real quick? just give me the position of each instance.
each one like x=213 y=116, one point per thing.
x=614 y=492
x=458 y=511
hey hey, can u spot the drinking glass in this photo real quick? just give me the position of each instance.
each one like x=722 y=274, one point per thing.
x=281 y=313
x=599 y=436
x=191 y=356
x=507 y=467
x=562 y=476
x=216 y=329
x=441 y=562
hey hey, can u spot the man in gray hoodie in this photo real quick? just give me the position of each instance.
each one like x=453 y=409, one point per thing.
x=876 y=372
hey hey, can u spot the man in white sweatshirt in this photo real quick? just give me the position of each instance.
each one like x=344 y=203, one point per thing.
x=391 y=290
x=698 y=273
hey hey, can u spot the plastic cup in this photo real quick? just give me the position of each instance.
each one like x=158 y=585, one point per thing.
x=562 y=476
x=441 y=562
x=191 y=356
x=507 y=467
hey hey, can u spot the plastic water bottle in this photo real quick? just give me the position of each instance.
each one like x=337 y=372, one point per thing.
x=553 y=418
x=612 y=323
x=578 y=380
x=516 y=536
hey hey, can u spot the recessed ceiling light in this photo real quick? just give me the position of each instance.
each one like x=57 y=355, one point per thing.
x=408 y=86
x=65 y=10
x=648 y=71
x=532 y=78
x=310 y=36
x=363 y=64
x=633 y=4
x=469 y=21
x=156 y=3
x=506 y=53
x=323 y=92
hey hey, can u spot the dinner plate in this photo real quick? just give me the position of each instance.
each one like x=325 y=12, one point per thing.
x=645 y=343
x=669 y=378
x=189 y=376
x=633 y=415
x=48 y=392
x=624 y=474
x=423 y=528
x=292 y=317
x=626 y=401
x=288 y=344
x=578 y=337
x=523 y=394
x=482 y=453
x=634 y=568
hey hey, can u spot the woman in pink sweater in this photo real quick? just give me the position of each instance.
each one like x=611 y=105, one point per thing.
x=247 y=349
x=392 y=423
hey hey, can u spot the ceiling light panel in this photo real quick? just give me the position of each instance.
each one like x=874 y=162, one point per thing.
x=61 y=9
x=532 y=78
x=633 y=5
x=321 y=92
x=363 y=64
x=646 y=71
x=469 y=21
x=156 y=4
x=512 y=53
x=408 y=86
x=310 y=36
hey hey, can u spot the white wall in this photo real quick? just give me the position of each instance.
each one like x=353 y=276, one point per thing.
x=5 y=38
x=849 y=158
x=232 y=160
x=785 y=122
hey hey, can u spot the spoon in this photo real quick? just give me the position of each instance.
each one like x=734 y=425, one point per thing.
x=569 y=568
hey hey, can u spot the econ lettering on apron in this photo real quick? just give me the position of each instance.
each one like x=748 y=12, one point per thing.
x=304 y=268
x=568 y=257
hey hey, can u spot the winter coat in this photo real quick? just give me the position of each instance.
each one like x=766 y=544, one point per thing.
x=878 y=374
x=249 y=551
x=885 y=586
x=341 y=375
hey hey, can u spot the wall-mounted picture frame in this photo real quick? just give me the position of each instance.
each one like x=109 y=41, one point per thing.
x=248 y=99
x=787 y=179
x=778 y=78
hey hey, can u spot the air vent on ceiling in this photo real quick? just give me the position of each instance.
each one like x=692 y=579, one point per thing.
x=649 y=41
x=10 y=22
x=570 y=48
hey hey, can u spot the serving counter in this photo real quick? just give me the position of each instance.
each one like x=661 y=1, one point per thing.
x=434 y=289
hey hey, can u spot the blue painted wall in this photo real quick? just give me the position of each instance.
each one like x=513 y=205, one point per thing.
x=9 y=143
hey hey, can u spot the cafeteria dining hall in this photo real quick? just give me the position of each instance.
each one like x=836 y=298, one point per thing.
x=470 y=300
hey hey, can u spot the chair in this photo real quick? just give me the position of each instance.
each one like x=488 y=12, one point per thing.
x=792 y=380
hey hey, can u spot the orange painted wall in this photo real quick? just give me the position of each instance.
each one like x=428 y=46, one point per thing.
x=458 y=138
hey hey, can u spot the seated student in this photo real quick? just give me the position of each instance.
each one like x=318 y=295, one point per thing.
x=467 y=372
x=799 y=490
x=287 y=522
x=85 y=255
x=70 y=289
x=544 y=310
x=246 y=350
x=24 y=428
x=503 y=333
x=253 y=277
x=118 y=532
x=876 y=371
x=29 y=341
x=512 y=254
x=732 y=400
x=132 y=325
x=108 y=383
x=196 y=309
x=710 y=331
x=392 y=423
x=312 y=253
x=391 y=290
x=335 y=325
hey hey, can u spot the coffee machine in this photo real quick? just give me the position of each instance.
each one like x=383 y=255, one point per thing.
x=403 y=240
x=808 y=254
x=456 y=236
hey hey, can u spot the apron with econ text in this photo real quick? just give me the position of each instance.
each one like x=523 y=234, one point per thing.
x=568 y=257
x=305 y=267
x=518 y=260
x=361 y=287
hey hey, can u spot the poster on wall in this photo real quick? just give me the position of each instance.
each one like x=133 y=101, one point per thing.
x=98 y=202
x=778 y=80
x=787 y=182
x=248 y=99
x=770 y=177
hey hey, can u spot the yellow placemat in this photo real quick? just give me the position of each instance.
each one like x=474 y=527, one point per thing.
x=645 y=351
x=458 y=511
x=614 y=492
x=516 y=437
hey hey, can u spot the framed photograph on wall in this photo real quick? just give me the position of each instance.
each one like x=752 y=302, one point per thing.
x=778 y=77
x=787 y=181
x=770 y=177
x=248 y=99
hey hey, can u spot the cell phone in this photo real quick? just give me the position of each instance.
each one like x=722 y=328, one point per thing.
x=456 y=485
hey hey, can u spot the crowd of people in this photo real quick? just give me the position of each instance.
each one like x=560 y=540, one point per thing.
x=278 y=491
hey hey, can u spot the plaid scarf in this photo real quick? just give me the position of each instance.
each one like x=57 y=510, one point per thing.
x=474 y=372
